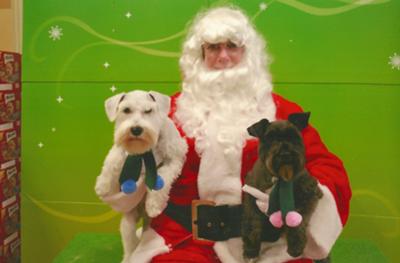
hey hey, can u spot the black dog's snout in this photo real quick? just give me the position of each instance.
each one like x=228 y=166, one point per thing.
x=285 y=147
x=136 y=131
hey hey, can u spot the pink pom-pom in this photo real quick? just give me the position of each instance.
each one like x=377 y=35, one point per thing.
x=276 y=219
x=293 y=219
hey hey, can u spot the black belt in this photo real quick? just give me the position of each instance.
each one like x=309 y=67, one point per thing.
x=208 y=222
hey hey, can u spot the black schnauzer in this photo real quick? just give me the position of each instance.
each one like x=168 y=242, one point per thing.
x=281 y=157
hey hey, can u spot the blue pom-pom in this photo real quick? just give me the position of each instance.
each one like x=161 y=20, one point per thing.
x=129 y=186
x=159 y=183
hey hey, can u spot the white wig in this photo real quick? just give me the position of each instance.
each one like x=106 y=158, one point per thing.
x=219 y=25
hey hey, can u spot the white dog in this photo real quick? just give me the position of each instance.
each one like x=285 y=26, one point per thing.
x=141 y=124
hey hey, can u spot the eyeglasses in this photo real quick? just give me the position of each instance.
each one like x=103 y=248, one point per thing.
x=213 y=48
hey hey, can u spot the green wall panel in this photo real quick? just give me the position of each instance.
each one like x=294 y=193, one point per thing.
x=329 y=41
x=309 y=41
x=143 y=46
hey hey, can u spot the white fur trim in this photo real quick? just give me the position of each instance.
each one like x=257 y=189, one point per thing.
x=150 y=245
x=324 y=227
x=229 y=251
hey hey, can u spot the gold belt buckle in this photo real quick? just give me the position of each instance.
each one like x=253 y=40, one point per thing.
x=195 y=229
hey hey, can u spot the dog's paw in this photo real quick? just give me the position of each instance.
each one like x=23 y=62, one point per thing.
x=156 y=202
x=295 y=251
x=250 y=255
x=102 y=188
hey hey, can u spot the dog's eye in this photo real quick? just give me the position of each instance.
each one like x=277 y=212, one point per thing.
x=148 y=111
x=127 y=110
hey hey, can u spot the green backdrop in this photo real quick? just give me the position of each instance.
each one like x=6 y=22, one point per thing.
x=338 y=59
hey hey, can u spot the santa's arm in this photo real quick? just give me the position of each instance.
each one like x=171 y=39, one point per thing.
x=332 y=210
x=124 y=203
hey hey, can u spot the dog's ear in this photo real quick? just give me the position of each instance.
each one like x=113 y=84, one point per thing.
x=300 y=120
x=163 y=101
x=111 y=106
x=258 y=128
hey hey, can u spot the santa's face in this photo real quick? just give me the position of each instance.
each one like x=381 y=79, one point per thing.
x=222 y=55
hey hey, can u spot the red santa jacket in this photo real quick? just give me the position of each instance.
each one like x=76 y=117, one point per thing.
x=321 y=164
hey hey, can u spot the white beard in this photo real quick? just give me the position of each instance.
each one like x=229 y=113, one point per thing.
x=222 y=104
x=216 y=107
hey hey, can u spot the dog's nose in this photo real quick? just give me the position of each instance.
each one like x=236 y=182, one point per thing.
x=285 y=147
x=136 y=131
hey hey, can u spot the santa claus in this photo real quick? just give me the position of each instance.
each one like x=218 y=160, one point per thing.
x=225 y=89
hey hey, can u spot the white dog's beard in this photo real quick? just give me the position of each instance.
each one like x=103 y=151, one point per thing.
x=135 y=145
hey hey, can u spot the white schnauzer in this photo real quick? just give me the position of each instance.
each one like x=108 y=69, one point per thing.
x=141 y=126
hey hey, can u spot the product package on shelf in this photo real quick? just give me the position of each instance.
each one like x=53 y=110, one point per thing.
x=10 y=102
x=10 y=249
x=10 y=67
x=9 y=181
x=10 y=218
x=10 y=142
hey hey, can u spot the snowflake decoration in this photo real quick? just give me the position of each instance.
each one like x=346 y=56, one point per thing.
x=394 y=61
x=59 y=99
x=55 y=33
x=106 y=64
x=263 y=6
x=53 y=129
x=128 y=15
x=40 y=145
x=113 y=88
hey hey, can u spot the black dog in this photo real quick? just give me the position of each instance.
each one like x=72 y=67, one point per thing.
x=281 y=157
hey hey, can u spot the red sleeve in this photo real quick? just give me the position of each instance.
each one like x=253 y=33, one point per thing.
x=321 y=163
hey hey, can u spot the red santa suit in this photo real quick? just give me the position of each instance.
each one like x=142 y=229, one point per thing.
x=168 y=241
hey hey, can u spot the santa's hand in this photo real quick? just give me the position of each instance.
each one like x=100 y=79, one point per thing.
x=261 y=198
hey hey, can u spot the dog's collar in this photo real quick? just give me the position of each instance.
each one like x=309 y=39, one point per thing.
x=133 y=166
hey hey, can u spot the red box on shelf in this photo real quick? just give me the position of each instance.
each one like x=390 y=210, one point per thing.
x=10 y=67
x=10 y=181
x=10 y=217
x=10 y=249
x=10 y=102
x=10 y=142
